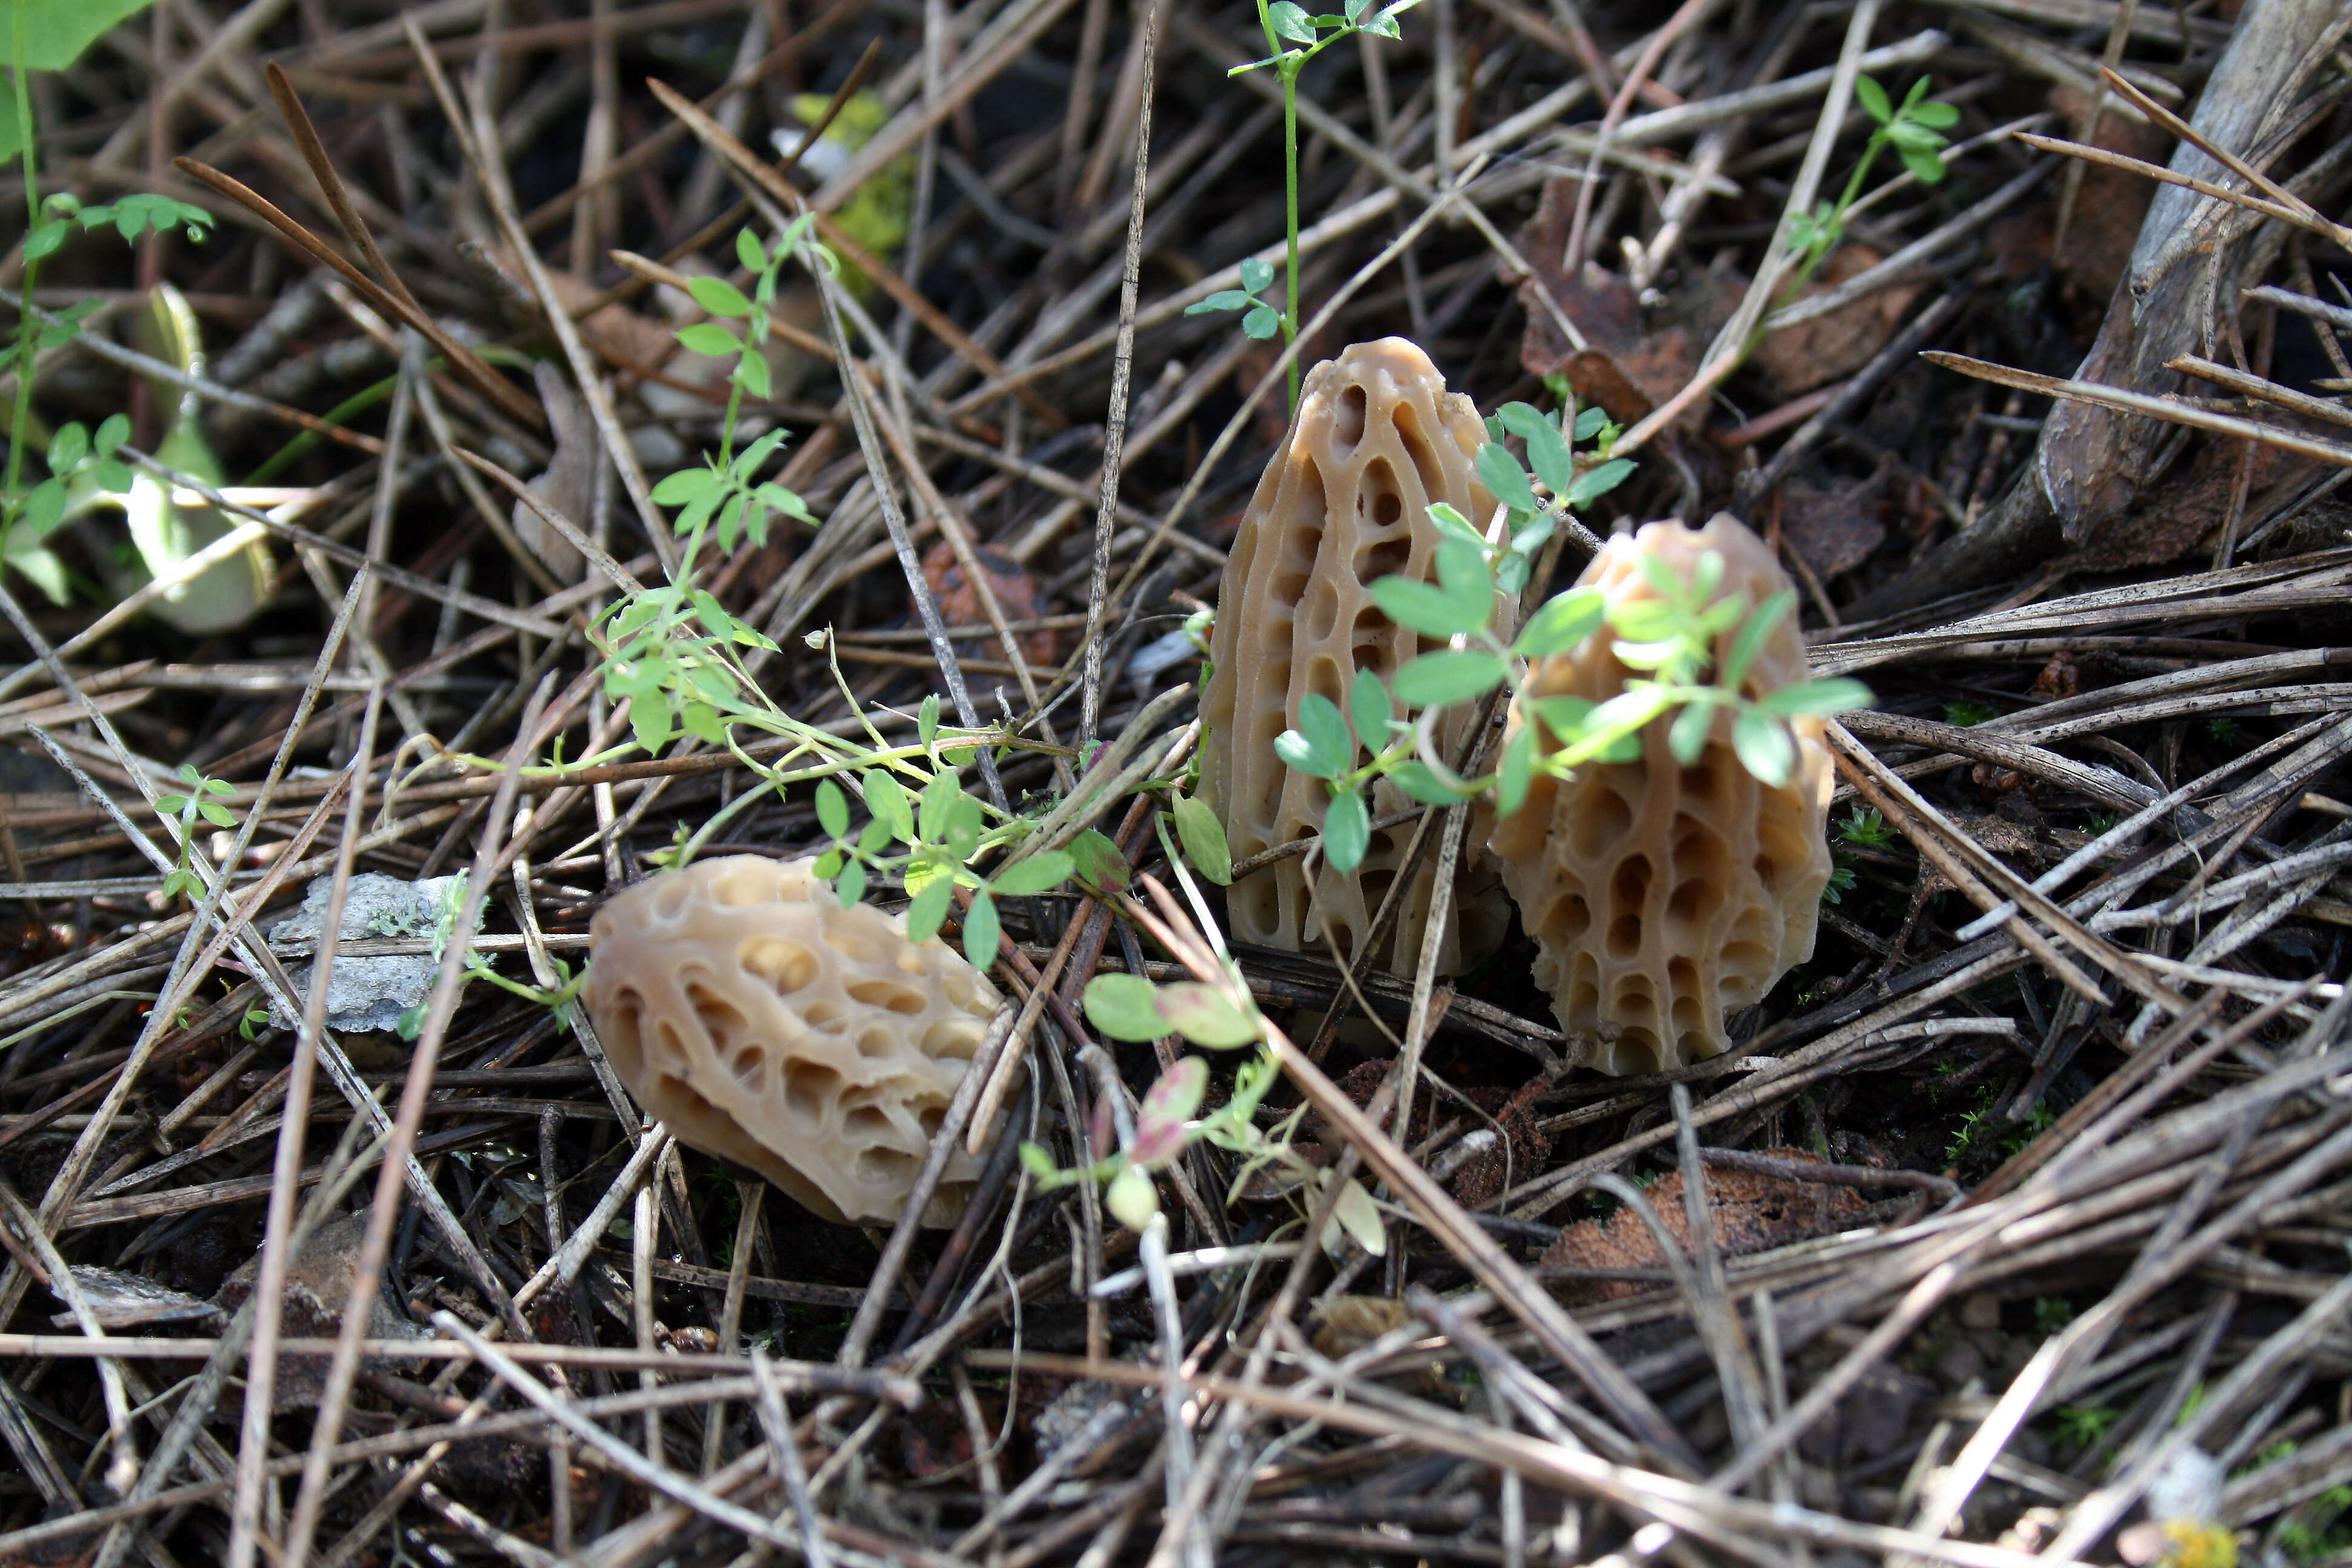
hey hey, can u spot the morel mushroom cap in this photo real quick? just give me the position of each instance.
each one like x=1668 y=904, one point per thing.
x=1662 y=897
x=1344 y=502
x=762 y=1022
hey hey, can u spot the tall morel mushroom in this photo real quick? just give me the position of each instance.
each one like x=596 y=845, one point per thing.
x=1662 y=897
x=1344 y=502
x=761 y=1021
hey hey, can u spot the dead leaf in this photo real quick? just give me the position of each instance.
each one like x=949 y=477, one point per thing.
x=615 y=331
x=1628 y=366
x=1346 y=1324
x=1749 y=1212
x=1017 y=595
x=1835 y=528
x=1814 y=354
x=567 y=487
x=318 y=1283
x=122 y=1300
x=1992 y=833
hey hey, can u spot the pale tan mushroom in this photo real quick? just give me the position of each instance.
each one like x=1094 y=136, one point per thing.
x=1662 y=897
x=1344 y=502
x=762 y=1022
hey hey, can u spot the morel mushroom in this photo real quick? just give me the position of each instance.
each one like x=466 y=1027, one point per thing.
x=762 y=1022
x=1662 y=897
x=1344 y=502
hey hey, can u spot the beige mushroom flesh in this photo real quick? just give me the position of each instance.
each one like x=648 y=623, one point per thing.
x=1344 y=502
x=1661 y=898
x=763 y=1023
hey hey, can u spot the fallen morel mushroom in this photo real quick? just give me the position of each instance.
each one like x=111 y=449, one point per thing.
x=762 y=1022
x=1662 y=897
x=1344 y=502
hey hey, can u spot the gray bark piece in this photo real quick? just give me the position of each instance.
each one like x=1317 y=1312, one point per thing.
x=369 y=993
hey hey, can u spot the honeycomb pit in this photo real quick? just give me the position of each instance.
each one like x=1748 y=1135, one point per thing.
x=1344 y=502
x=1659 y=897
x=763 y=1023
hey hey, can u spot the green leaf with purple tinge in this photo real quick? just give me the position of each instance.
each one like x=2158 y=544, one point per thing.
x=1203 y=1015
x=1167 y=1106
x=1100 y=864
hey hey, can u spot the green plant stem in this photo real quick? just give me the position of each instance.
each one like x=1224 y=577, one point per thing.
x=1290 y=215
x=1286 y=64
x=1834 y=230
x=727 y=431
x=27 y=344
x=340 y=415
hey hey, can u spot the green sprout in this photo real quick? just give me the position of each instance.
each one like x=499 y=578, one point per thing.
x=1915 y=129
x=1215 y=1017
x=28 y=516
x=2081 y=1426
x=451 y=905
x=1259 y=320
x=1293 y=36
x=198 y=802
x=1864 y=828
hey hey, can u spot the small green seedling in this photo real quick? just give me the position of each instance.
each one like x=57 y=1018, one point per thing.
x=1864 y=828
x=1915 y=129
x=1215 y=1017
x=1259 y=320
x=79 y=460
x=75 y=458
x=942 y=830
x=1294 y=35
x=198 y=803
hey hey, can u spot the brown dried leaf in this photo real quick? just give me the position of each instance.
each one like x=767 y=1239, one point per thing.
x=1017 y=594
x=318 y=1283
x=617 y=333
x=123 y=1300
x=2165 y=521
x=1627 y=368
x=567 y=487
x=1346 y=1324
x=1812 y=354
x=1835 y=528
x=1749 y=1212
